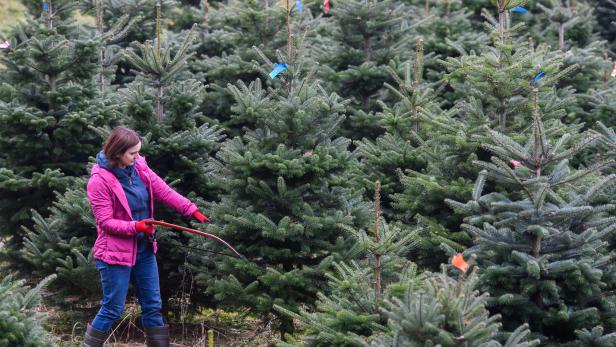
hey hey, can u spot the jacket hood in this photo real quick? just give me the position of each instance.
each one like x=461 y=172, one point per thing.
x=102 y=161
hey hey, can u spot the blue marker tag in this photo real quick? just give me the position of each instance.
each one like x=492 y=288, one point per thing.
x=45 y=6
x=519 y=9
x=300 y=8
x=538 y=77
x=278 y=68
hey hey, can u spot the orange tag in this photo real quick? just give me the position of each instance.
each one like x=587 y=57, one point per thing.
x=459 y=262
x=614 y=70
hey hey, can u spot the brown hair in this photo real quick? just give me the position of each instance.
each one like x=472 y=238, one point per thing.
x=118 y=142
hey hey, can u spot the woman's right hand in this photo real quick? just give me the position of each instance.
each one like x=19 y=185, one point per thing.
x=142 y=227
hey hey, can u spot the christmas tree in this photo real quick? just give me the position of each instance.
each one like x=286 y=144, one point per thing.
x=20 y=323
x=163 y=104
x=443 y=311
x=285 y=196
x=542 y=239
x=598 y=103
x=175 y=144
x=227 y=54
x=351 y=305
x=489 y=88
x=61 y=243
x=420 y=310
x=417 y=143
x=366 y=36
x=448 y=30
x=48 y=101
x=566 y=14
x=605 y=11
x=118 y=25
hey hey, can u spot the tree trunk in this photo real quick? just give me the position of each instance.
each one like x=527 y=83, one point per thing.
x=49 y=15
x=160 y=112
x=368 y=48
x=561 y=36
x=266 y=17
x=289 y=45
x=158 y=8
x=502 y=116
x=100 y=80
x=377 y=221
x=206 y=17
x=501 y=25
x=416 y=125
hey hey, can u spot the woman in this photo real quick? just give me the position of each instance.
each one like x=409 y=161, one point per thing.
x=121 y=190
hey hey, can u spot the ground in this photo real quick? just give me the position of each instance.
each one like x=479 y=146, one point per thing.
x=68 y=323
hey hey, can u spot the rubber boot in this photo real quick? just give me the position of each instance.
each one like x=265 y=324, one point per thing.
x=157 y=336
x=94 y=337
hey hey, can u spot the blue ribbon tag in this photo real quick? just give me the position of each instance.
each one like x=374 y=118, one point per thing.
x=278 y=68
x=519 y=9
x=45 y=6
x=538 y=77
x=300 y=8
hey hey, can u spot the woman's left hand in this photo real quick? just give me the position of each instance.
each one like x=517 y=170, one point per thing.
x=200 y=217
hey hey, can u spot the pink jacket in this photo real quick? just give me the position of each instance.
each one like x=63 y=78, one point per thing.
x=117 y=242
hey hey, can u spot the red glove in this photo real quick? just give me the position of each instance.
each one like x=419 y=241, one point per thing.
x=146 y=229
x=200 y=217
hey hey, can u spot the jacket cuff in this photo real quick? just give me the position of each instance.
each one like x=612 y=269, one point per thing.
x=191 y=210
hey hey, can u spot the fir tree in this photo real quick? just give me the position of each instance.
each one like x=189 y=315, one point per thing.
x=163 y=103
x=605 y=13
x=285 y=196
x=542 y=239
x=568 y=26
x=449 y=31
x=367 y=35
x=595 y=337
x=443 y=311
x=158 y=65
x=608 y=139
x=48 y=101
x=397 y=148
x=352 y=304
x=505 y=72
x=409 y=156
x=111 y=17
x=349 y=309
x=598 y=103
x=490 y=87
x=108 y=49
x=61 y=243
x=592 y=73
x=420 y=310
x=20 y=323
x=227 y=54
x=564 y=14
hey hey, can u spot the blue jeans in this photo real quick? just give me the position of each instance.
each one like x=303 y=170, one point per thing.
x=115 y=280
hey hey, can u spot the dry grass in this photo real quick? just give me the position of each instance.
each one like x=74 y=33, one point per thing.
x=68 y=326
